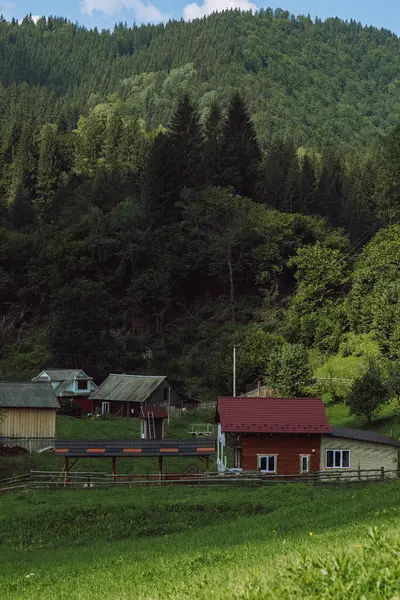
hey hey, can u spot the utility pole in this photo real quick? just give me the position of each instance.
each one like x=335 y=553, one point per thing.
x=234 y=371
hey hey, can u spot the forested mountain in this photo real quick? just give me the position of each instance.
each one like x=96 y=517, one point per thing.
x=168 y=191
x=314 y=82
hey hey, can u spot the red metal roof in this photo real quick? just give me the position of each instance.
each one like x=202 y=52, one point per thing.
x=159 y=412
x=272 y=415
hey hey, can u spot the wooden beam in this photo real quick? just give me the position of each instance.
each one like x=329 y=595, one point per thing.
x=66 y=469
x=114 y=466
x=160 y=471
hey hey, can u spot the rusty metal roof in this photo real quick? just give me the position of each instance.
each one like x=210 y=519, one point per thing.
x=17 y=394
x=99 y=448
x=272 y=415
x=127 y=388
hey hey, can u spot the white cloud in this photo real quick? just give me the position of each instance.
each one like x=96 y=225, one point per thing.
x=196 y=11
x=34 y=18
x=143 y=12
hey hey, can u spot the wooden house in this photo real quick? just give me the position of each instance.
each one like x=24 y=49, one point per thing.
x=292 y=436
x=27 y=414
x=124 y=395
x=71 y=386
x=352 y=449
x=273 y=435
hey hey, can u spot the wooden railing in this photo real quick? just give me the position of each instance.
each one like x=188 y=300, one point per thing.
x=73 y=480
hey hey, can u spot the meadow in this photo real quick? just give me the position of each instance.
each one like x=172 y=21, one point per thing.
x=193 y=542
x=283 y=541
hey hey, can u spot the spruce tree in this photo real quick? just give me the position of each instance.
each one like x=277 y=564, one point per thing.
x=279 y=180
x=306 y=187
x=213 y=130
x=175 y=162
x=240 y=152
x=187 y=144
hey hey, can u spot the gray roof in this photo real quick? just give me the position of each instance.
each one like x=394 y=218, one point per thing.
x=136 y=448
x=27 y=395
x=127 y=388
x=364 y=435
x=61 y=374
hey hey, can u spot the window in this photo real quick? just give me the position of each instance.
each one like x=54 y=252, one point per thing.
x=105 y=407
x=267 y=463
x=304 y=463
x=82 y=384
x=165 y=394
x=337 y=459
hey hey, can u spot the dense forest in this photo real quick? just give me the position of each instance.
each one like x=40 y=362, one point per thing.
x=169 y=191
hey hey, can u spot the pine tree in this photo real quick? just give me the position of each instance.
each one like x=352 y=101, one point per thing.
x=240 y=152
x=21 y=213
x=213 y=130
x=187 y=144
x=329 y=194
x=280 y=173
x=306 y=187
x=175 y=162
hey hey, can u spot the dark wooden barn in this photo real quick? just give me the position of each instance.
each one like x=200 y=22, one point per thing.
x=125 y=395
x=273 y=435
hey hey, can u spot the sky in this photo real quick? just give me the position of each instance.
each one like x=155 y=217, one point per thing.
x=104 y=13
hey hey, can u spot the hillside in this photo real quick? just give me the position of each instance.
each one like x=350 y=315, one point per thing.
x=151 y=217
x=311 y=81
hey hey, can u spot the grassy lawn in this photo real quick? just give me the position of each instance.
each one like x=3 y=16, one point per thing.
x=186 y=542
x=200 y=543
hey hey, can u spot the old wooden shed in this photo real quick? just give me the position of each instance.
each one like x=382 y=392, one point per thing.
x=27 y=414
x=124 y=395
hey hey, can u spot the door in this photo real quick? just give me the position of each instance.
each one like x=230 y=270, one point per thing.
x=304 y=463
x=105 y=407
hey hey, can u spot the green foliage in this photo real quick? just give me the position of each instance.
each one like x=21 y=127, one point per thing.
x=374 y=298
x=289 y=370
x=177 y=193
x=368 y=394
x=393 y=380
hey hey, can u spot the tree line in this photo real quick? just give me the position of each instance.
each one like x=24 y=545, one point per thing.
x=133 y=249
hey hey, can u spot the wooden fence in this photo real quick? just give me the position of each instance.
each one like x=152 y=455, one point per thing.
x=77 y=480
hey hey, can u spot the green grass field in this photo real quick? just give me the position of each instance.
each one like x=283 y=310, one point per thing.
x=201 y=543
x=188 y=542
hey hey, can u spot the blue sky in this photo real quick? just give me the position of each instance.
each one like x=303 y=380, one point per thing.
x=104 y=13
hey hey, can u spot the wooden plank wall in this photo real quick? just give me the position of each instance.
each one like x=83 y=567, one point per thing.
x=287 y=447
x=29 y=422
x=366 y=455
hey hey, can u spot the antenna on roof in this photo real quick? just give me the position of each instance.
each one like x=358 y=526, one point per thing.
x=234 y=371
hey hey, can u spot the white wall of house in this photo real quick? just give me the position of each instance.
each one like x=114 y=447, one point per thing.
x=363 y=455
x=221 y=450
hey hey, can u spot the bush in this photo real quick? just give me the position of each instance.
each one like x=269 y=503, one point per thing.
x=368 y=394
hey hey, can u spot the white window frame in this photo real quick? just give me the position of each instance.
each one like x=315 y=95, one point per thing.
x=105 y=408
x=267 y=456
x=308 y=457
x=341 y=458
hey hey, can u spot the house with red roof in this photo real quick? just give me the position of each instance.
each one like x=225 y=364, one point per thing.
x=274 y=435
x=292 y=436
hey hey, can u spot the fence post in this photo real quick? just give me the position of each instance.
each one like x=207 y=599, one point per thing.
x=359 y=472
x=382 y=473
